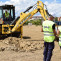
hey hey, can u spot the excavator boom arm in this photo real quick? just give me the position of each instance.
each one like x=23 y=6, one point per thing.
x=26 y=16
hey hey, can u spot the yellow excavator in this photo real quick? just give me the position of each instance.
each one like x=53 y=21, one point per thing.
x=15 y=26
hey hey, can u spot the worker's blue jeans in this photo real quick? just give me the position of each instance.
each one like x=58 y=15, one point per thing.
x=48 y=50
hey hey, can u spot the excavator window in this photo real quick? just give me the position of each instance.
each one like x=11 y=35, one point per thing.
x=1 y=13
x=12 y=13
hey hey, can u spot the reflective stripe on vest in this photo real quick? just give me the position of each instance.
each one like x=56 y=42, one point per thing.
x=59 y=40
x=48 y=35
x=59 y=37
x=47 y=31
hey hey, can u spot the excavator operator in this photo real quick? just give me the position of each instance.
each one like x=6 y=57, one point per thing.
x=6 y=15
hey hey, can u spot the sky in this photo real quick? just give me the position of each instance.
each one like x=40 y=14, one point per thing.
x=53 y=6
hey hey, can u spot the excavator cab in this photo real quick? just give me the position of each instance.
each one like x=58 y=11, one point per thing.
x=9 y=23
x=11 y=10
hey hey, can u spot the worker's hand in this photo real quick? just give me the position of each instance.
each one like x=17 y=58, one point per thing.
x=56 y=38
x=60 y=47
x=41 y=29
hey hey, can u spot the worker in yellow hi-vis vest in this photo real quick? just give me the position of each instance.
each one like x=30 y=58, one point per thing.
x=6 y=15
x=48 y=27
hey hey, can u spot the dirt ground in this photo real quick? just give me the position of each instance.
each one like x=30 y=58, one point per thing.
x=30 y=48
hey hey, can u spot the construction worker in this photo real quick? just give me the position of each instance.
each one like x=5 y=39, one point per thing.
x=48 y=27
x=59 y=35
x=6 y=15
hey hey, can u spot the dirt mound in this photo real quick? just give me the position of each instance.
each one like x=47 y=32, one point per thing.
x=16 y=44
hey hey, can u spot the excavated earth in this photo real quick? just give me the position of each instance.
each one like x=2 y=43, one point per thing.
x=30 y=48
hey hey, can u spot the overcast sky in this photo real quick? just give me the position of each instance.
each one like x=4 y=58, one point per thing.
x=53 y=6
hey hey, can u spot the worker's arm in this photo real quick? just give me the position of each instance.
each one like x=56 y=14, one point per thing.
x=54 y=31
x=41 y=29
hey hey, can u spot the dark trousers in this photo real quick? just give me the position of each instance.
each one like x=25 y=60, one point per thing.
x=48 y=50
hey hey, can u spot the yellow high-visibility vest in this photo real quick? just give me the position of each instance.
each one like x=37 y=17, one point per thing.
x=59 y=35
x=6 y=14
x=48 y=31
